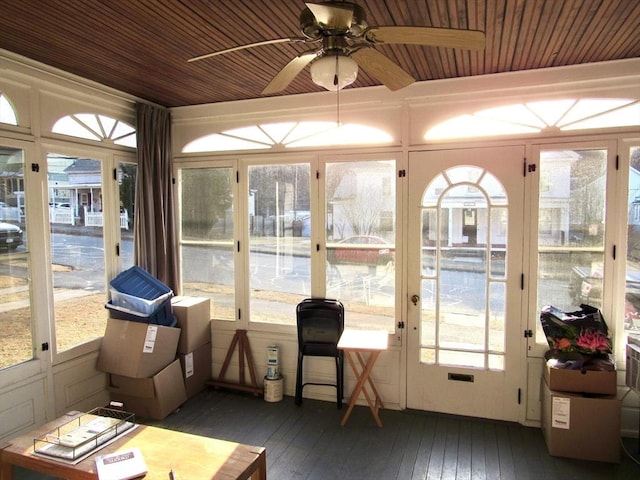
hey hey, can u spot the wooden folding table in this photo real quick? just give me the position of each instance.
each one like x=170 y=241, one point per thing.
x=357 y=343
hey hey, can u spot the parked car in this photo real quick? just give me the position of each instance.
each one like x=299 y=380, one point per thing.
x=59 y=205
x=362 y=250
x=586 y=287
x=10 y=236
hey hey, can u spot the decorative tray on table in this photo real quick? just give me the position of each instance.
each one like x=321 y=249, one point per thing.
x=83 y=435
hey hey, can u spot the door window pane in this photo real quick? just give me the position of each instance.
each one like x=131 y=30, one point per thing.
x=207 y=237
x=361 y=235
x=463 y=275
x=279 y=241
x=16 y=340
x=77 y=249
x=571 y=229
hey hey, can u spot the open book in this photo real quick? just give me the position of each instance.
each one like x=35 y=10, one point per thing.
x=122 y=465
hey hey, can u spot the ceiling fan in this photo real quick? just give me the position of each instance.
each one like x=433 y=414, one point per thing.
x=347 y=43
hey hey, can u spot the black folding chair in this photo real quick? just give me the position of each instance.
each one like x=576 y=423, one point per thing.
x=320 y=323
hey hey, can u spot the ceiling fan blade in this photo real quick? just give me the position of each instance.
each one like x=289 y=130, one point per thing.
x=382 y=68
x=249 y=45
x=337 y=16
x=441 y=37
x=289 y=72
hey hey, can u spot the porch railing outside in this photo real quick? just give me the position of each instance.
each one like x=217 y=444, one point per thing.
x=91 y=219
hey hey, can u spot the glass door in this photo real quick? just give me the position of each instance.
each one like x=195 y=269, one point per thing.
x=25 y=352
x=17 y=339
x=464 y=349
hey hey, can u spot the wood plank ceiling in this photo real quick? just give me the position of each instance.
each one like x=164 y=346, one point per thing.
x=142 y=46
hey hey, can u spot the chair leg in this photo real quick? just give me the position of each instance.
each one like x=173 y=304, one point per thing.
x=340 y=378
x=298 y=397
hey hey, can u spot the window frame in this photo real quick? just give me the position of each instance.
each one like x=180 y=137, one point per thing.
x=611 y=287
x=620 y=273
x=242 y=218
x=237 y=257
x=317 y=163
x=111 y=232
x=41 y=360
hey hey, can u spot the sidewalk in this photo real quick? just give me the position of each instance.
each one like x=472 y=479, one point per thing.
x=86 y=231
x=58 y=295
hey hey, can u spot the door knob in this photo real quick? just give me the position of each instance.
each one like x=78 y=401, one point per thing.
x=415 y=298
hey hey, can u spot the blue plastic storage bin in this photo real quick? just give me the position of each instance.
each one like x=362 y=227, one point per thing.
x=162 y=316
x=137 y=304
x=138 y=282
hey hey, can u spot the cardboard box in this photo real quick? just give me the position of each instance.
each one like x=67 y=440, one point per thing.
x=581 y=426
x=194 y=317
x=135 y=349
x=154 y=397
x=196 y=369
x=587 y=381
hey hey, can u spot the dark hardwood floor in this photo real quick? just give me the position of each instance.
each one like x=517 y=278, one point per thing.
x=307 y=442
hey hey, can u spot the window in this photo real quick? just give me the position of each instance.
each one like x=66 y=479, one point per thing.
x=279 y=211
x=534 y=117
x=360 y=203
x=285 y=261
x=207 y=237
x=100 y=128
x=78 y=214
x=7 y=113
x=16 y=341
x=289 y=135
x=127 y=173
x=632 y=279
x=464 y=269
x=571 y=229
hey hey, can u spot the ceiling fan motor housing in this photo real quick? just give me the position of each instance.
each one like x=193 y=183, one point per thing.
x=314 y=29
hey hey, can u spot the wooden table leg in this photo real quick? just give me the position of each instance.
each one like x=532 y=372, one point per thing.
x=6 y=471
x=369 y=380
x=363 y=377
x=260 y=472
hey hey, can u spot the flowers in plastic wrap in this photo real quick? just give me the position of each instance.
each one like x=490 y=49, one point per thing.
x=593 y=342
x=583 y=331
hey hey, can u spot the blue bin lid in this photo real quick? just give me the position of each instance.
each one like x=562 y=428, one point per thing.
x=136 y=281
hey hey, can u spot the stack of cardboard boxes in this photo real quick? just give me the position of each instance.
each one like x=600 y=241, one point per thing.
x=194 y=346
x=144 y=373
x=581 y=413
x=580 y=410
x=152 y=368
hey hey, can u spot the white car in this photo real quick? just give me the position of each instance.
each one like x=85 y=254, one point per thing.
x=10 y=236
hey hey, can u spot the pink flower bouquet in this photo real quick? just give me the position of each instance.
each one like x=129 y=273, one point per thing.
x=583 y=331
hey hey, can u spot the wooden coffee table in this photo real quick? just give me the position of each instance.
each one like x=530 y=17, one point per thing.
x=190 y=456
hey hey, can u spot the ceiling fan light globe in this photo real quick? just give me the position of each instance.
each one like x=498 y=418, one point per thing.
x=334 y=72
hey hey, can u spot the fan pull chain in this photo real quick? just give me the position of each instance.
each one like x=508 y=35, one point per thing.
x=336 y=81
x=338 y=107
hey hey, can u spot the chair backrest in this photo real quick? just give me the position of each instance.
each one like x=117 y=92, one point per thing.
x=320 y=323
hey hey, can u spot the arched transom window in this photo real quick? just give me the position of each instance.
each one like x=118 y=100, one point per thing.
x=544 y=116
x=7 y=113
x=96 y=127
x=289 y=135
